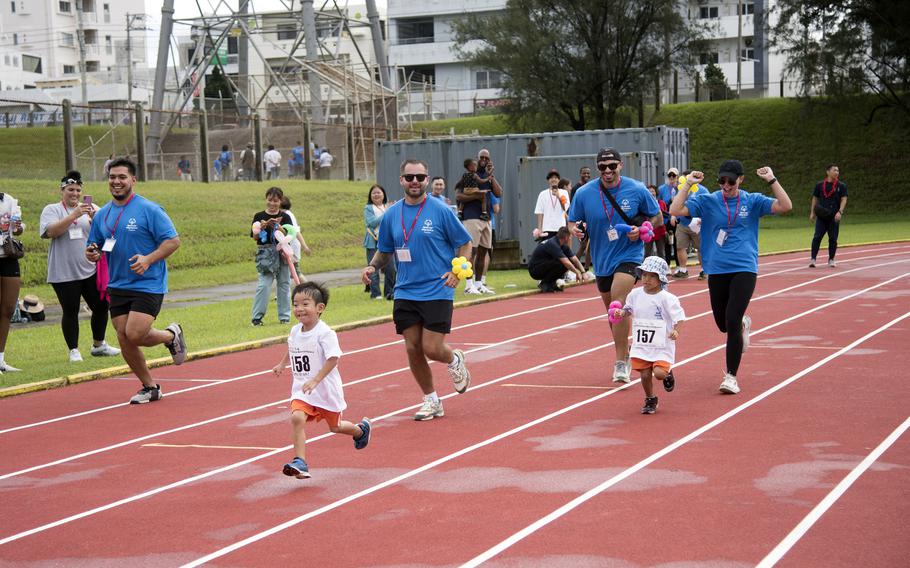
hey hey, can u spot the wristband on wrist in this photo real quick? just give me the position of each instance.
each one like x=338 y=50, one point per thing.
x=771 y=182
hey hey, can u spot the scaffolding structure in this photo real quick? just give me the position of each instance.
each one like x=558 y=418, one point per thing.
x=313 y=85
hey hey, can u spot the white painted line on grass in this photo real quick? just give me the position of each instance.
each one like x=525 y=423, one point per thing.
x=591 y=493
x=816 y=513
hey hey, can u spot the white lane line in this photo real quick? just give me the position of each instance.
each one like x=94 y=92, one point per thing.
x=206 y=447
x=236 y=465
x=397 y=342
x=592 y=387
x=591 y=493
x=803 y=527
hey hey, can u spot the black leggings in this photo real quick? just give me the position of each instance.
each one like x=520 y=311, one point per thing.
x=69 y=293
x=730 y=296
x=822 y=227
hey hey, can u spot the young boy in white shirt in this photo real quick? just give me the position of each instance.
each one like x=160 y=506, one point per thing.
x=656 y=316
x=316 y=391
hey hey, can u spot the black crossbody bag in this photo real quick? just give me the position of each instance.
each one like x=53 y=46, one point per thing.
x=635 y=221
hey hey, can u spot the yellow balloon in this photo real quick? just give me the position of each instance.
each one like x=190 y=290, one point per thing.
x=467 y=273
x=682 y=180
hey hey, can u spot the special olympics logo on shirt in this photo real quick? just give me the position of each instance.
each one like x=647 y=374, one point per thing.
x=131 y=225
x=427 y=226
x=743 y=211
x=625 y=205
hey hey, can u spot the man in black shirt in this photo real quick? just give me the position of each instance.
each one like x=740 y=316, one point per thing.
x=552 y=259
x=828 y=202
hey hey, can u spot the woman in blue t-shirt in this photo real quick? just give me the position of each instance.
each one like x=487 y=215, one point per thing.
x=729 y=221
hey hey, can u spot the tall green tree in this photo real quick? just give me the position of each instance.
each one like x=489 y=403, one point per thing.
x=575 y=62
x=843 y=47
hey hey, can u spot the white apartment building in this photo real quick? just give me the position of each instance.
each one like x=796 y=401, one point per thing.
x=273 y=36
x=40 y=41
x=421 y=51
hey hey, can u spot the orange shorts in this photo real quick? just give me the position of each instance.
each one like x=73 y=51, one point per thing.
x=641 y=364
x=314 y=413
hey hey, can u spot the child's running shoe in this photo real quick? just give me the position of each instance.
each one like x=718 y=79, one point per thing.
x=669 y=382
x=364 y=439
x=297 y=468
x=650 y=406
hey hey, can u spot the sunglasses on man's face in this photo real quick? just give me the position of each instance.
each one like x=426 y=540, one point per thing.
x=410 y=177
x=611 y=166
x=726 y=181
x=671 y=175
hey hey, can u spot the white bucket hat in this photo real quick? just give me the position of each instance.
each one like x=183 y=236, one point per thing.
x=656 y=265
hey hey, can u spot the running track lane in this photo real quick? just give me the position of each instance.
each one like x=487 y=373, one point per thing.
x=443 y=422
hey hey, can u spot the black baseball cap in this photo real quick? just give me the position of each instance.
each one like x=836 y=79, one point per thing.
x=731 y=169
x=608 y=154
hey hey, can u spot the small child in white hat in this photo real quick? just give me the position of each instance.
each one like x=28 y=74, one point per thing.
x=656 y=317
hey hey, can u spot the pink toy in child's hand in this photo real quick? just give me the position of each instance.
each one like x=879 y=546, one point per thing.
x=614 y=312
x=646 y=232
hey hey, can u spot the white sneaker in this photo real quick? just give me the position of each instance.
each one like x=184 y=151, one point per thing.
x=560 y=283
x=430 y=410
x=811 y=263
x=747 y=329
x=7 y=368
x=484 y=290
x=729 y=384
x=75 y=356
x=621 y=372
x=105 y=350
x=570 y=277
x=589 y=275
x=831 y=263
x=461 y=378
x=472 y=291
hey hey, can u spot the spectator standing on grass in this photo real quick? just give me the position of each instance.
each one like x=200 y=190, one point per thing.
x=316 y=391
x=297 y=160
x=657 y=245
x=552 y=260
x=550 y=210
x=183 y=169
x=729 y=224
x=373 y=212
x=828 y=203
x=272 y=158
x=665 y=193
x=688 y=232
x=325 y=164
x=67 y=224
x=656 y=317
x=248 y=162
x=424 y=235
x=270 y=265
x=477 y=222
x=11 y=225
x=298 y=244
x=583 y=250
x=136 y=235
x=226 y=163
x=602 y=204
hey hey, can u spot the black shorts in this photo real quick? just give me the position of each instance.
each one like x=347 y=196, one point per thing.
x=126 y=301
x=434 y=315
x=9 y=267
x=605 y=283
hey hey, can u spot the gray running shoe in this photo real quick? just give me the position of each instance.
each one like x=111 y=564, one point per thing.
x=177 y=347
x=621 y=372
x=147 y=394
x=461 y=378
x=430 y=410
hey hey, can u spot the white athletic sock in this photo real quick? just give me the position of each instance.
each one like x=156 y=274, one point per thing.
x=454 y=360
x=432 y=397
x=1 y=357
x=684 y=269
x=483 y=280
x=469 y=282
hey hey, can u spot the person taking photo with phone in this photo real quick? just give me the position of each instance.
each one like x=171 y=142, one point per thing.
x=67 y=223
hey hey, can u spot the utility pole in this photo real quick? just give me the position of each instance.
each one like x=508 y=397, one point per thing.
x=80 y=34
x=130 y=20
x=739 y=49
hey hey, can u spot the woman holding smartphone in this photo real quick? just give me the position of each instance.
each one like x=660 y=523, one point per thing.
x=67 y=224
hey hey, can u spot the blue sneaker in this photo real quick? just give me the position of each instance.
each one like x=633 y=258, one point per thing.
x=297 y=468
x=364 y=439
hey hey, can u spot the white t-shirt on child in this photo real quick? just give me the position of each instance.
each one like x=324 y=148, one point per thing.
x=653 y=318
x=309 y=350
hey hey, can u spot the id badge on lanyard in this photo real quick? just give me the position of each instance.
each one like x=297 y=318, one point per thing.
x=76 y=233
x=403 y=255
x=612 y=234
x=721 y=237
x=109 y=244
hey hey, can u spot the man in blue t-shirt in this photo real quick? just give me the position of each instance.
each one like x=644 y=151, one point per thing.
x=136 y=235
x=295 y=168
x=477 y=221
x=424 y=236
x=615 y=255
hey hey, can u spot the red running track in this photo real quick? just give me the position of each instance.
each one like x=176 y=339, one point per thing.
x=541 y=463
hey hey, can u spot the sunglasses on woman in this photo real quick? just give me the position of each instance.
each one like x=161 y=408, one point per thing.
x=726 y=181
x=410 y=177
x=604 y=167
